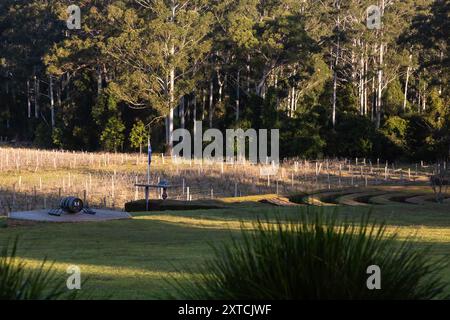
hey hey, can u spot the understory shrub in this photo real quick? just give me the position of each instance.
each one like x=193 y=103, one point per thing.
x=17 y=282
x=316 y=256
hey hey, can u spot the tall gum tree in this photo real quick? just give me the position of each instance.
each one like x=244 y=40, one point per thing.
x=160 y=48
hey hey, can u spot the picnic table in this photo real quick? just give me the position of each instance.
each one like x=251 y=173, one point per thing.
x=164 y=185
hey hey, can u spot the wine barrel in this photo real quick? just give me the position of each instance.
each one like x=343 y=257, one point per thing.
x=71 y=204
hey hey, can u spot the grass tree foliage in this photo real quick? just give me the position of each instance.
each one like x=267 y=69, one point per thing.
x=317 y=256
x=18 y=282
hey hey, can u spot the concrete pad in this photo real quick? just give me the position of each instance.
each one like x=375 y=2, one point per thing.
x=42 y=215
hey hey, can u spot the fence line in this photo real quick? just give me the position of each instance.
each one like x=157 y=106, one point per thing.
x=38 y=178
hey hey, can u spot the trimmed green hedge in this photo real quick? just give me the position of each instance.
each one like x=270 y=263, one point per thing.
x=298 y=198
x=161 y=205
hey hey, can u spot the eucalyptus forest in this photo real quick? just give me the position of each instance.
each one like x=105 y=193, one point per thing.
x=313 y=69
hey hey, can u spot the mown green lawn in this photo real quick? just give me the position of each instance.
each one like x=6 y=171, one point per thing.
x=132 y=259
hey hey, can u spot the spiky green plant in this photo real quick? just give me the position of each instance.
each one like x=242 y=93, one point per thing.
x=17 y=282
x=316 y=256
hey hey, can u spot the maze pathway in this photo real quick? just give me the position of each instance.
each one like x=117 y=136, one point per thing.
x=281 y=202
x=384 y=195
x=325 y=198
x=352 y=199
x=389 y=198
x=421 y=199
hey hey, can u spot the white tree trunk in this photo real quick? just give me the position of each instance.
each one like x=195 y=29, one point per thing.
x=380 y=87
x=365 y=81
x=171 y=107
x=293 y=101
x=220 y=82
x=36 y=97
x=211 y=100
x=405 y=98
x=289 y=102
x=194 y=115
x=333 y=115
x=28 y=99
x=52 y=103
x=171 y=87
x=99 y=82
x=374 y=100
x=424 y=98
x=203 y=104
x=380 y=74
x=238 y=94
x=361 y=87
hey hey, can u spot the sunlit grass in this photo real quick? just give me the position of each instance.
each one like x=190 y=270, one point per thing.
x=133 y=259
x=317 y=256
x=426 y=234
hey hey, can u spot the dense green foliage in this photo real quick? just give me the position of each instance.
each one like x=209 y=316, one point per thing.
x=310 y=68
x=138 y=135
x=316 y=256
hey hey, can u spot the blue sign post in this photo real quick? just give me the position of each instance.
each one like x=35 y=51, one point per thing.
x=163 y=185
x=148 y=172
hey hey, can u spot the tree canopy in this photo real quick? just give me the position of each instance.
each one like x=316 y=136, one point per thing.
x=314 y=69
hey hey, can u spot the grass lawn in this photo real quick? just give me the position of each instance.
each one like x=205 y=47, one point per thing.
x=130 y=259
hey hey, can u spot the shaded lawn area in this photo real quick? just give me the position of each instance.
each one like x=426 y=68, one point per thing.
x=130 y=259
